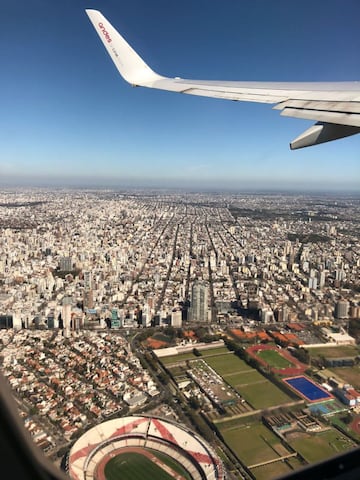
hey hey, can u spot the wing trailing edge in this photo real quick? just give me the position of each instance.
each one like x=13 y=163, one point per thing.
x=334 y=105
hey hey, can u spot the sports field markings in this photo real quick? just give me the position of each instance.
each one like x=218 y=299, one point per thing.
x=136 y=469
x=236 y=373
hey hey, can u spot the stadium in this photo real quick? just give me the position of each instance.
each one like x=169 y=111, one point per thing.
x=140 y=447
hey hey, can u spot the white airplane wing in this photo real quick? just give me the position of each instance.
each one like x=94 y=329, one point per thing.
x=335 y=106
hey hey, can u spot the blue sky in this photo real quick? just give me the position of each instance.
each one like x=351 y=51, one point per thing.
x=67 y=117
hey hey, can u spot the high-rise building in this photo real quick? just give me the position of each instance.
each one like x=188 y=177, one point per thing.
x=322 y=279
x=50 y=321
x=267 y=315
x=342 y=309
x=282 y=314
x=87 y=280
x=88 y=299
x=66 y=315
x=6 y=321
x=199 y=301
x=115 y=320
x=176 y=318
x=65 y=264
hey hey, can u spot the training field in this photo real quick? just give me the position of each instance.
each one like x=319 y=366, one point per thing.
x=257 y=390
x=275 y=470
x=177 y=358
x=213 y=351
x=228 y=363
x=134 y=466
x=274 y=359
x=263 y=394
x=253 y=444
x=246 y=377
x=320 y=446
x=278 y=361
x=337 y=351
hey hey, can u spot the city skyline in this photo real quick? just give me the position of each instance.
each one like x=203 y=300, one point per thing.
x=69 y=119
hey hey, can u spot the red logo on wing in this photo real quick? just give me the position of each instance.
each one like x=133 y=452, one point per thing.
x=105 y=32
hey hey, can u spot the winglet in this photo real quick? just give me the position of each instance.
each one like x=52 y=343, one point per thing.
x=130 y=65
x=322 y=132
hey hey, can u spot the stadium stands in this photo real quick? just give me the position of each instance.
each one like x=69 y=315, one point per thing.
x=91 y=451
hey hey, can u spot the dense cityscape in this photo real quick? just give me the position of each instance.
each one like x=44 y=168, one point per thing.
x=133 y=302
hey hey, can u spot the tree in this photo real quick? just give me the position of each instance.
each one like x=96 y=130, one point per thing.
x=163 y=377
x=194 y=402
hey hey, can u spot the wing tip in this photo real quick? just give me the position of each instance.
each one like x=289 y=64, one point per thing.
x=89 y=10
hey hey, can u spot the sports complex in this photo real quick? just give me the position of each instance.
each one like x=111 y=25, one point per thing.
x=140 y=447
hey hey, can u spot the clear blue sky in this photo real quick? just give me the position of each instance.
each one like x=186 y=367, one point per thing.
x=68 y=117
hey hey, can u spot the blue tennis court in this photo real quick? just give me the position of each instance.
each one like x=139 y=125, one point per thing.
x=307 y=389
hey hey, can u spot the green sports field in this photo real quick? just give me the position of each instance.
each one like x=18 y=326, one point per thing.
x=135 y=466
x=320 y=446
x=272 y=470
x=177 y=358
x=227 y=364
x=248 y=382
x=337 y=351
x=237 y=379
x=263 y=394
x=214 y=351
x=253 y=443
x=274 y=359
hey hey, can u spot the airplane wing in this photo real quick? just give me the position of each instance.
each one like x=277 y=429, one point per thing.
x=335 y=106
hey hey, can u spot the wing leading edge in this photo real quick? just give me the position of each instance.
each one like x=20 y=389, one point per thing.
x=335 y=106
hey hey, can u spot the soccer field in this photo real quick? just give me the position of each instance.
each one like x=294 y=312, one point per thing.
x=227 y=364
x=135 y=466
x=177 y=358
x=252 y=443
x=337 y=351
x=320 y=446
x=214 y=351
x=274 y=359
x=263 y=394
x=248 y=382
x=245 y=377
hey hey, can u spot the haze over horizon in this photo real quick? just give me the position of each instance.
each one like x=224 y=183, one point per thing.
x=68 y=118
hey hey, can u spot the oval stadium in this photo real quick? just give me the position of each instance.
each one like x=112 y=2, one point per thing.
x=139 y=448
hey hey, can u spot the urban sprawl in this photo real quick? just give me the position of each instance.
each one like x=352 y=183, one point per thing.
x=235 y=314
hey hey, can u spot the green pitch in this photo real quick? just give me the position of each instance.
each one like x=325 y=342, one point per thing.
x=227 y=364
x=274 y=359
x=134 y=466
x=248 y=382
x=252 y=443
x=337 y=351
x=263 y=394
x=177 y=358
x=320 y=446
